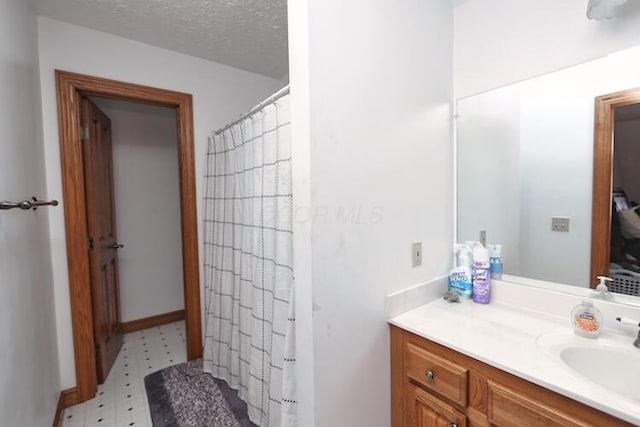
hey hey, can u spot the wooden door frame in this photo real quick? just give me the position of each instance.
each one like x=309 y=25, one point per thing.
x=603 y=177
x=69 y=87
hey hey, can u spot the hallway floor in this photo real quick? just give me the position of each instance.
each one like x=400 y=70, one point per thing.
x=122 y=400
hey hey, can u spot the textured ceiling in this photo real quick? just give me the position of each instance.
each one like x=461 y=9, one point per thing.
x=247 y=34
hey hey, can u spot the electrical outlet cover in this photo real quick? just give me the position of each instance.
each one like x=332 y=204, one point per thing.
x=561 y=224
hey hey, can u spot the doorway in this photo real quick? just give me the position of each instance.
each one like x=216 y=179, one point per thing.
x=72 y=91
x=604 y=239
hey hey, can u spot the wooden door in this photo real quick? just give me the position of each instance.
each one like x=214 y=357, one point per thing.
x=101 y=226
x=426 y=410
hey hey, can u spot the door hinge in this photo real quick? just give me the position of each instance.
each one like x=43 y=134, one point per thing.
x=84 y=133
x=90 y=243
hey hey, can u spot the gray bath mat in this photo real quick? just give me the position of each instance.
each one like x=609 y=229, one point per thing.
x=186 y=396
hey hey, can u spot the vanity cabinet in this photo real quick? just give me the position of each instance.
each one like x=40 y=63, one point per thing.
x=434 y=386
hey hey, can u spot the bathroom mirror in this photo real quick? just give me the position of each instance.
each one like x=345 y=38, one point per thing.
x=525 y=163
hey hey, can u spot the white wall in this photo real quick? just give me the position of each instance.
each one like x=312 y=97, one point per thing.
x=626 y=171
x=147 y=197
x=498 y=42
x=220 y=93
x=379 y=105
x=29 y=383
x=300 y=107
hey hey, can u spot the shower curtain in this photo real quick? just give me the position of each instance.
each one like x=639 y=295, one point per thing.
x=248 y=238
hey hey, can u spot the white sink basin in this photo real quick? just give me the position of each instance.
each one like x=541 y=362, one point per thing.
x=609 y=361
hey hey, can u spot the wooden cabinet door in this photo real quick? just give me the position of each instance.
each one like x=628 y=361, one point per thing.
x=425 y=410
x=509 y=408
x=101 y=225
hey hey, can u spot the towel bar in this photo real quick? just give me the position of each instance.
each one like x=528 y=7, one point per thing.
x=25 y=205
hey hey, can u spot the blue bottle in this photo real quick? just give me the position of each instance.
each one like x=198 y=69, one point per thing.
x=495 y=261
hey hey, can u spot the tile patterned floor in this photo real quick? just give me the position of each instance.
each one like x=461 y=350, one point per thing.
x=122 y=401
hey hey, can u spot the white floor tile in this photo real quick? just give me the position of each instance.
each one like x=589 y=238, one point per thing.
x=122 y=400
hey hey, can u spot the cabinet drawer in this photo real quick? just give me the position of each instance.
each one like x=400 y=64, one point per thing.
x=507 y=408
x=437 y=374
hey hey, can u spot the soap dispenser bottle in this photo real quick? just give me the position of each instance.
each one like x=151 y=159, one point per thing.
x=586 y=320
x=602 y=291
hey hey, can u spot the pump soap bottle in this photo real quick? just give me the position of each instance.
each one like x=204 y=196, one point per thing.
x=586 y=320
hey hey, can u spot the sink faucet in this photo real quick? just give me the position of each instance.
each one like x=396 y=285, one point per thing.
x=627 y=321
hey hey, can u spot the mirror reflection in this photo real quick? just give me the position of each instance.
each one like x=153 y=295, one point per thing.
x=534 y=173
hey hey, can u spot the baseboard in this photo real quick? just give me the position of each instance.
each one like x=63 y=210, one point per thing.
x=151 y=322
x=67 y=399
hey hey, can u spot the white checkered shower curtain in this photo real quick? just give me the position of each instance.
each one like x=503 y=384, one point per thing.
x=250 y=321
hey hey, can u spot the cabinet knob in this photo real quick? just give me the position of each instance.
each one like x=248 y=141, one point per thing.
x=430 y=375
x=453 y=425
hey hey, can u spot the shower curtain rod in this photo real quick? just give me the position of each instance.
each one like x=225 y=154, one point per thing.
x=273 y=98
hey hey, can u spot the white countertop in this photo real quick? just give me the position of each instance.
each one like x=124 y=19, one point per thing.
x=505 y=337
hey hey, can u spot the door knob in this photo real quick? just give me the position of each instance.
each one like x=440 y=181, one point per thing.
x=117 y=246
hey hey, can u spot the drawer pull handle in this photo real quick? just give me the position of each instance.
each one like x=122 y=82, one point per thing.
x=430 y=376
x=453 y=425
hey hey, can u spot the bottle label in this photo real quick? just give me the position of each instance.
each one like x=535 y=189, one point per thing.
x=481 y=284
x=496 y=269
x=480 y=275
x=459 y=276
x=460 y=282
x=586 y=322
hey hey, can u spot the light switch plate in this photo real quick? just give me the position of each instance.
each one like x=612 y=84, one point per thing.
x=416 y=254
x=560 y=223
